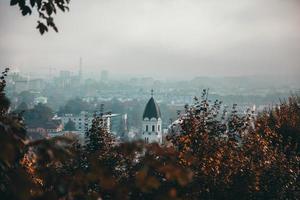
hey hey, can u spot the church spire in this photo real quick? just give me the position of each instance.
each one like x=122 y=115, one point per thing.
x=152 y=123
x=152 y=109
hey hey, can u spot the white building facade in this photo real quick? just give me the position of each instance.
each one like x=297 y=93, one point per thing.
x=115 y=123
x=83 y=122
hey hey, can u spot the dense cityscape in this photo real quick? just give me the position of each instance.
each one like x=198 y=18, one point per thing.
x=149 y=100
x=69 y=95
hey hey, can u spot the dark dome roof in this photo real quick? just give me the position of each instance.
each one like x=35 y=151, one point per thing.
x=151 y=110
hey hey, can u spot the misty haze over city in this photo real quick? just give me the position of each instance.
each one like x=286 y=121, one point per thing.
x=160 y=38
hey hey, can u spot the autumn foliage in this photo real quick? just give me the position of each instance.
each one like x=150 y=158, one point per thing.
x=214 y=154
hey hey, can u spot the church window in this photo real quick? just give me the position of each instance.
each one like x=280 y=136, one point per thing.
x=153 y=128
x=146 y=127
x=158 y=127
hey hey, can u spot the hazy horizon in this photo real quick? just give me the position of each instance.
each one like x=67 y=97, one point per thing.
x=159 y=38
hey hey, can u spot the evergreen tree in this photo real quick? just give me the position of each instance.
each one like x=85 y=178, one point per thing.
x=39 y=115
x=98 y=156
x=98 y=138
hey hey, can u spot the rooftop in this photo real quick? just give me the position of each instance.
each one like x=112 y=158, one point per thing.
x=152 y=110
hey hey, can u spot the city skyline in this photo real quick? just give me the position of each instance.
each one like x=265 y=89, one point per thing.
x=164 y=39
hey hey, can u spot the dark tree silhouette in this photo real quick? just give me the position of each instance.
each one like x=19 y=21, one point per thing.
x=45 y=9
x=15 y=182
x=39 y=115
x=4 y=101
x=74 y=106
x=98 y=138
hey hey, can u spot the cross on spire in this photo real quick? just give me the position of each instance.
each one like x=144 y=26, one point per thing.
x=152 y=91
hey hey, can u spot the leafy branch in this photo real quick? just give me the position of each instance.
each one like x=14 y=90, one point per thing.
x=45 y=9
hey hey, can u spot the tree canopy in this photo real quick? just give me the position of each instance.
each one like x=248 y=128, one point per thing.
x=38 y=115
x=74 y=106
x=215 y=156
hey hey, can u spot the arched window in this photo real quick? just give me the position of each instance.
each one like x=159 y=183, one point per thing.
x=158 y=127
x=153 y=128
x=146 y=127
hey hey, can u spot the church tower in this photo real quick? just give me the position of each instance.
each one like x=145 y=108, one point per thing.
x=152 y=130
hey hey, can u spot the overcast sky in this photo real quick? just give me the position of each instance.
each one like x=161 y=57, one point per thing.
x=163 y=38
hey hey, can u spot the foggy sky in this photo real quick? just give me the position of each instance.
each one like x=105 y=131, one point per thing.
x=159 y=38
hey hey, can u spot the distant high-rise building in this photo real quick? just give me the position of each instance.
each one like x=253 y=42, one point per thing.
x=64 y=79
x=19 y=83
x=80 y=70
x=83 y=121
x=118 y=124
x=104 y=75
x=65 y=74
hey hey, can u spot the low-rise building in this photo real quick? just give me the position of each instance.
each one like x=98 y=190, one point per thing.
x=115 y=123
x=42 y=100
x=38 y=131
